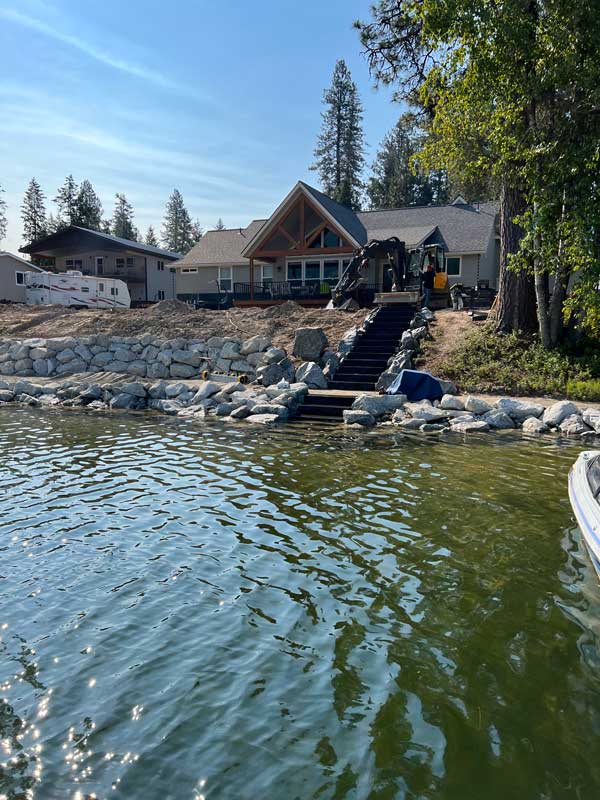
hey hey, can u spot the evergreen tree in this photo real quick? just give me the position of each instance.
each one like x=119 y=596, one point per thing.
x=151 y=239
x=339 y=154
x=53 y=224
x=33 y=213
x=88 y=208
x=3 y=220
x=106 y=226
x=177 y=225
x=197 y=231
x=220 y=226
x=122 y=220
x=66 y=202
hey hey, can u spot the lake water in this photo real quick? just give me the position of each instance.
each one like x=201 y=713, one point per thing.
x=200 y=611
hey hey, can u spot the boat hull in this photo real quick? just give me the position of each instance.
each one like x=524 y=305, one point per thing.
x=585 y=506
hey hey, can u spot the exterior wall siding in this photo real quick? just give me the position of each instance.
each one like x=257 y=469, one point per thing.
x=10 y=291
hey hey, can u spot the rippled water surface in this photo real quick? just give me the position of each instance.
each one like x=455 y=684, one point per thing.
x=218 y=612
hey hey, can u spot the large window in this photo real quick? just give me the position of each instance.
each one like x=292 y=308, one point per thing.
x=294 y=272
x=73 y=263
x=326 y=238
x=453 y=265
x=267 y=273
x=160 y=266
x=311 y=271
x=20 y=278
x=225 y=278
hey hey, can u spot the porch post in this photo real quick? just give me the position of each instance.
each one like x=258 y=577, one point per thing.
x=251 y=278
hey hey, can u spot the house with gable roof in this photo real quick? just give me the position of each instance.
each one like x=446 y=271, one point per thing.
x=301 y=250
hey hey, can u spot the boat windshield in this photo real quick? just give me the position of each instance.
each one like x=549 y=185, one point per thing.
x=594 y=476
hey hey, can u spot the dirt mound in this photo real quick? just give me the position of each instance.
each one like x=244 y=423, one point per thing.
x=170 y=307
x=172 y=318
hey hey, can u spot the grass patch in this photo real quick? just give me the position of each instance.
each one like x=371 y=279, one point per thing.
x=485 y=361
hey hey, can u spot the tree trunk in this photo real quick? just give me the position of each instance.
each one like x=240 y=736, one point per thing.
x=515 y=308
x=559 y=292
x=541 y=290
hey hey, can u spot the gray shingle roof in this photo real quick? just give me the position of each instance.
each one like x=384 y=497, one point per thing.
x=139 y=247
x=221 y=247
x=347 y=218
x=463 y=228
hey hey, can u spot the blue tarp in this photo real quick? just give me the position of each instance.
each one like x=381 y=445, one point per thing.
x=416 y=385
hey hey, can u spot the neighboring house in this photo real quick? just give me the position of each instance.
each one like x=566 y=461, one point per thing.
x=12 y=277
x=146 y=270
x=301 y=250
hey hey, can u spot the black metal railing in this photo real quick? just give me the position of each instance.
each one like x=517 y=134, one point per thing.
x=298 y=290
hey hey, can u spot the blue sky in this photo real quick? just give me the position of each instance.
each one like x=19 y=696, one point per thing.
x=219 y=99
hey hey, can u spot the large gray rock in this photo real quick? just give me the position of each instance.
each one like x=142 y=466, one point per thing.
x=138 y=368
x=205 y=391
x=8 y=368
x=425 y=411
x=476 y=405
x=499 y=420
x=273 y=355
x=44 y=366
x=61 y=343
x=6 y=396
x=231 y=350
x=103 y=358
x=378 y=405
x=23 y=366
x=18 y=351
x=178 y=370
x=26 y=387
x=256 y=344
x=91 y=393
x=591 y=417
x=357 y=417
x=157 y=370
x=241 y=412
x=122 y=354
x=534 y=425
x=135 y=388
x=186 y=357
x=84 y=352
x=557 y=412
x=519 y=410
x=264 y=419
x=76 y=365
x=175 y=389
x=40 y=352
x=310 y=343
x=271 y=408
x=573 y=426
x=269 y=374
x=242 y=367
x=451 y=403
x=469 y=426
x=125 y=400
x=312 y=375
x=410 y=423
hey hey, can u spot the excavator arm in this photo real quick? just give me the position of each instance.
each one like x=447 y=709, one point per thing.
x=355 y=274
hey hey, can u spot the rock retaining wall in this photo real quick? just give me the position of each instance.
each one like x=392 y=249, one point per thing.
x=144 y=356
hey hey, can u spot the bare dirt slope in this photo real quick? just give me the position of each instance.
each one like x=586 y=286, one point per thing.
x=447 y=332
x=169 y=319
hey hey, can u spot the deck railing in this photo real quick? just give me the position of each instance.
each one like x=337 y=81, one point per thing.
x=294 y=290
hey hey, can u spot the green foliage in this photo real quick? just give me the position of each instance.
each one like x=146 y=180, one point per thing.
x=33 y=213
x=508 y=363
x=177 y=225
x=339 y=154
x=151 y=239
x=88 y=208
x=122 y=220
x=511 y=90
x=220 y=226
x=66 y=203
x=398 y=179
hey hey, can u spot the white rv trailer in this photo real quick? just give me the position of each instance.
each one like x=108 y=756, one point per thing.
x=76 y=290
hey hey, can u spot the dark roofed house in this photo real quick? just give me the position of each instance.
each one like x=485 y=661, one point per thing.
x=146 y=270
x=301 y=250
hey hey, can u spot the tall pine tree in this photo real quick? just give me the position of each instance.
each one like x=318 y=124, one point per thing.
x=339 y=154
x=88 y=208
x=177 y=225
x=33 y=213
x=151 y=239
x=397 y=179
x=122 y=219
x=3 y=220
x=66 y=202
x=220 y=226
x=197 y=231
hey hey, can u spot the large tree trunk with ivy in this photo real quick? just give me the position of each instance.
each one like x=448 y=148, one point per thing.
x=515 y=309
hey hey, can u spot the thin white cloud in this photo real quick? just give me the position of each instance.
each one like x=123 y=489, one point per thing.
x=100 y=55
